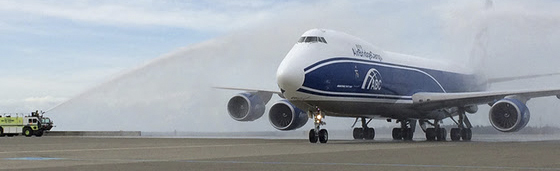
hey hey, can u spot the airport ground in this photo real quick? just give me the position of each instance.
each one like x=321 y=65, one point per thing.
x=156 y=153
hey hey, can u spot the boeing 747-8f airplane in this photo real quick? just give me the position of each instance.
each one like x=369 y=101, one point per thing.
x=329 y=73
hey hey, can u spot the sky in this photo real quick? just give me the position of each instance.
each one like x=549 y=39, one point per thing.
x=56 y=49
x=107 y=62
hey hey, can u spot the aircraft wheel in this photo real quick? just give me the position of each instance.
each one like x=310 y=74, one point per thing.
x=431 y=134
x=407 y=134
x=466 y=134
x=397 y=134
x=358 y=133
x=455 y=134
x=369 y=133
x=323 y=136
x=441 y=134
x=312 y=136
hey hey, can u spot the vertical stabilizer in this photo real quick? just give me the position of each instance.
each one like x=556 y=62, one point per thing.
x=479 y=51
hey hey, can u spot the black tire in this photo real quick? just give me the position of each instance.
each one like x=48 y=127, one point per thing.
x=39 y=133
x=28 y=132
x=323 y=136
x=431 y=134
x=404 y=134
x=397 y=134
x=441 y=134
x=358 y=133
x=369 y=133
x=407 y=134
x=466 y=134
x=455 y=134
x=2 y=132
x=312 y=136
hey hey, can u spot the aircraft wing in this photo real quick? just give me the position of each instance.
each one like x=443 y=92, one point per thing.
x=433 y=101
x=252 y=90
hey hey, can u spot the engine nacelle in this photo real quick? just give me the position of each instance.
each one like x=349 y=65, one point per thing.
x=509 y=115
x=472 y=109
x=285 y=116
x=248 y=106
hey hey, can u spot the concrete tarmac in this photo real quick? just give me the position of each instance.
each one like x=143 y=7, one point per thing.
x=110 y=153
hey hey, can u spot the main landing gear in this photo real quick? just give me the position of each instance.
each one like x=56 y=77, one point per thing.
x=364 y=132
x=464 y=128
x=406 y=131
x=318 y=134
x=436 y=133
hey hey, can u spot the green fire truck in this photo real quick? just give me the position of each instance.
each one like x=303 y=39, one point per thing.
x=34 y=124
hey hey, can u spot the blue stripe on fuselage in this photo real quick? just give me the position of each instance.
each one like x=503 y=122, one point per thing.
x=356 y=96
x=346 y=77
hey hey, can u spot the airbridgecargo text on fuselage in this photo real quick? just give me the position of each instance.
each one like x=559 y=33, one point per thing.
x=358 y=51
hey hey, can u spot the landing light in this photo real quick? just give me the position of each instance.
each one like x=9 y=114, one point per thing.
x=318 y=118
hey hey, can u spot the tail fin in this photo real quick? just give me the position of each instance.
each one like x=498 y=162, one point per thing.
x=479 y=51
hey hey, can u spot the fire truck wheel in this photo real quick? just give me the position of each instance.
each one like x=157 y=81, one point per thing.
x=28 y=132
x=2 y=132
x=39 y=133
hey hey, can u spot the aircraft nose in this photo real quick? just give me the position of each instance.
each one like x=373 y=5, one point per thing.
x=289 y=78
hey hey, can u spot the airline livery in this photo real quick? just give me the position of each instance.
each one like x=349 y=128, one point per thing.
x=329 y=73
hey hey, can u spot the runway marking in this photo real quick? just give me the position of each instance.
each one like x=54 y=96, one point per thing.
x=33 y=158
x=135 y=148
x=373 y=164
x=301 y=163
x=194 y=146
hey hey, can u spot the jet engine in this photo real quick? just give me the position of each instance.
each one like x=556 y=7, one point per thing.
x=285 y=116
x=509 y=115
x=248 y=106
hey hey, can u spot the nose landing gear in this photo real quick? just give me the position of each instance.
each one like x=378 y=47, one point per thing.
x=317 y=134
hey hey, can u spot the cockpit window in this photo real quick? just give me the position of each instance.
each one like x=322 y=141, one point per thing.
x=301 y=39
x=312 y=39
x=322 y=39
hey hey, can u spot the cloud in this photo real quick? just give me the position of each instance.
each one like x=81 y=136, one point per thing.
x=30 y=104
x=24 y=83
x=46 y=99
x=202 y=16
